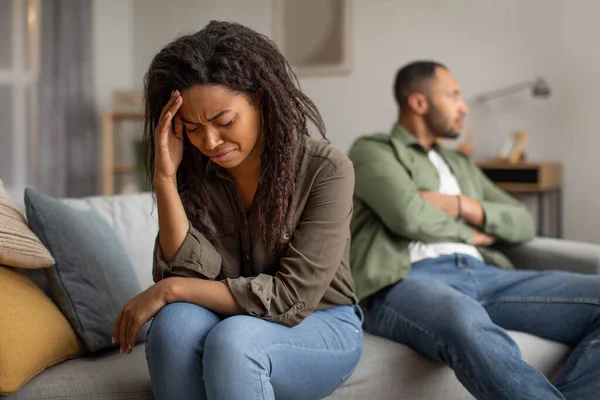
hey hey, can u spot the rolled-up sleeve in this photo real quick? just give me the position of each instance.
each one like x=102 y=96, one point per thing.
x=313 y=256
x=196 y=257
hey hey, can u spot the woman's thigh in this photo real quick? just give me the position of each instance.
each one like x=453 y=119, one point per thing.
x=307 y=361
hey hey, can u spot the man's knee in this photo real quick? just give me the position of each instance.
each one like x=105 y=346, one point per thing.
x=436 y=308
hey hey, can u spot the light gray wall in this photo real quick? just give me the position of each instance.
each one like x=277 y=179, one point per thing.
x=113 y=48
x=156 y=23
x=486 y=44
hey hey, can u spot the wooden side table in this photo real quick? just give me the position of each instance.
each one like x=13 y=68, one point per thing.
x=540 y=179
x=112 y=145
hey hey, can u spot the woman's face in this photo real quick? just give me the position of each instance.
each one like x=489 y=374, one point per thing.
x=223 y=125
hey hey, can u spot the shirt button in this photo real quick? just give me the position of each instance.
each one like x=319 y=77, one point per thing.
x=247 y=257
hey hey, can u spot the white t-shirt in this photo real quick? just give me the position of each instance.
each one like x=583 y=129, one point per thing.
x=448 y=185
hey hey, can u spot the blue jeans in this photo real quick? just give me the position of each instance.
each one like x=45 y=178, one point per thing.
x=193 y=353
x=456 y=310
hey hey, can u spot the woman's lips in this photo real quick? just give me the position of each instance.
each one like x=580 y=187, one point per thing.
x=221 y=156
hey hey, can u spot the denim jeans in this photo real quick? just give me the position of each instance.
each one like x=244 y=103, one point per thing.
x=456 y=310
x=193 y=353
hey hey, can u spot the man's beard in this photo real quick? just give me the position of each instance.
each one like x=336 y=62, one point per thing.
x=438 y=124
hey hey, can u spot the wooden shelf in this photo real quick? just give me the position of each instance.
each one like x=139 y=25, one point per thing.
x=125 y=169
x=540 y=179
x=112 y=145
x=524 y=177
x=123 y=115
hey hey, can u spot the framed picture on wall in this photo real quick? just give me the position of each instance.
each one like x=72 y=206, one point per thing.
x=513 y=147
x=315 y=35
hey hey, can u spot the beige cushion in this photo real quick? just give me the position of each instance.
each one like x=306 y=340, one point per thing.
x=34 y=335
x=19 y=247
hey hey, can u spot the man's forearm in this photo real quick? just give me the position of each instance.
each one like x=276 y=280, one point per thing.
x=471 y=211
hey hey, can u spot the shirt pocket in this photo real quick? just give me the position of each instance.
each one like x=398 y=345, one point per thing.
x=223 y=227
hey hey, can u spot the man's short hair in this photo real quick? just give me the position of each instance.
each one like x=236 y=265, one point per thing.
x=411 y=76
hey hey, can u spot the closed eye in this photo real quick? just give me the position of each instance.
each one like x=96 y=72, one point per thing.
x=192 y=130
x=225 y=125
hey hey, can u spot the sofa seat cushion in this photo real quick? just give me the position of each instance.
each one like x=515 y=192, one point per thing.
x=106 y=375
x=387 y=370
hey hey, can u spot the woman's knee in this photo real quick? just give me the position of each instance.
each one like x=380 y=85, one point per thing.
x=235 y=338
x=179 y=326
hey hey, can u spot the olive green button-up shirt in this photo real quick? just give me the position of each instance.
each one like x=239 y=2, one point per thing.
x=391 y=170
x=310 y=270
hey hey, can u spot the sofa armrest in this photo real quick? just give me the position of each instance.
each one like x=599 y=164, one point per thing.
x=555 y=254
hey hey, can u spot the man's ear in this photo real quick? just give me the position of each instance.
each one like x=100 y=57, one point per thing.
x=418 y=103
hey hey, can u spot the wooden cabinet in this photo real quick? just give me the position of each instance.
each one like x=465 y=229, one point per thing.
x=544 y=180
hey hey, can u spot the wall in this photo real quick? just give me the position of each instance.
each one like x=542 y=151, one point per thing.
x=489 y=45
x=156 y=23
x=577 y=138
x=113 y=48
x=486 y=44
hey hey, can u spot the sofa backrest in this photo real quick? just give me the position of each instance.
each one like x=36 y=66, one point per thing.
x=135 y=219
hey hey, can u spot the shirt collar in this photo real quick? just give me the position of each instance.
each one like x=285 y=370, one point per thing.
x=400 y=133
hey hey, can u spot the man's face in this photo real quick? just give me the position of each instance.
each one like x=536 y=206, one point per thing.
x=446 y=108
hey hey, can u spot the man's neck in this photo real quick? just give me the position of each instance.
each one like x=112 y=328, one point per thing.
x=419 y=130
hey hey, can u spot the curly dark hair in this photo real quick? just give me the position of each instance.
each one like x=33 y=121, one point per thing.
x=244 y=61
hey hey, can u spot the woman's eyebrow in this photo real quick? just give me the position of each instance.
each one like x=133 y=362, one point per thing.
x=219 y=114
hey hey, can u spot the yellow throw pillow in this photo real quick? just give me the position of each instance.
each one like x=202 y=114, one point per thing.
x=19 y=247
x=34 y=335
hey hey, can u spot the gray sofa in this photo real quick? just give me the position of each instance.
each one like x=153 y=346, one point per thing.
x=387 y=370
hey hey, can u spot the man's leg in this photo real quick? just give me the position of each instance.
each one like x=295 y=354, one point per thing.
x=437 y=319
x=559 y=306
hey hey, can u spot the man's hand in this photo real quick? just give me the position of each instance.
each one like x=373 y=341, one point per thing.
x=446 y=203
x=470 y=210
x=482 y=239
x=139 y=310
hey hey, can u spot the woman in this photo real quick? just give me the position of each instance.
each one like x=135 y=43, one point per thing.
x=253 y=296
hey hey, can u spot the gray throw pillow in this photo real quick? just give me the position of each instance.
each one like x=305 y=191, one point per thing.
x=93 y=278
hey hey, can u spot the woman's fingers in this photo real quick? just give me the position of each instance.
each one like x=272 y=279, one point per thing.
x=178 y=127
x=178 y=100
x=132 y=331
x=117 y=329
x=123 y=334
x=168 y=105
x=164 y=127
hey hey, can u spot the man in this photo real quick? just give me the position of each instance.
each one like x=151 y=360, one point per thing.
x=424 y=221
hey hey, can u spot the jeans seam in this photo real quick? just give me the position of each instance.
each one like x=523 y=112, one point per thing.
x=262 y=383
x=438 y=341
x=268 y=347
x=582 y=300
x=468 y=268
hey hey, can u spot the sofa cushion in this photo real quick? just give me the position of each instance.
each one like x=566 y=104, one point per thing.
x=135 y=222
x=93 y=277
x=19 y=247
x=102 y=376
x=386 y=371
x=34 y=334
